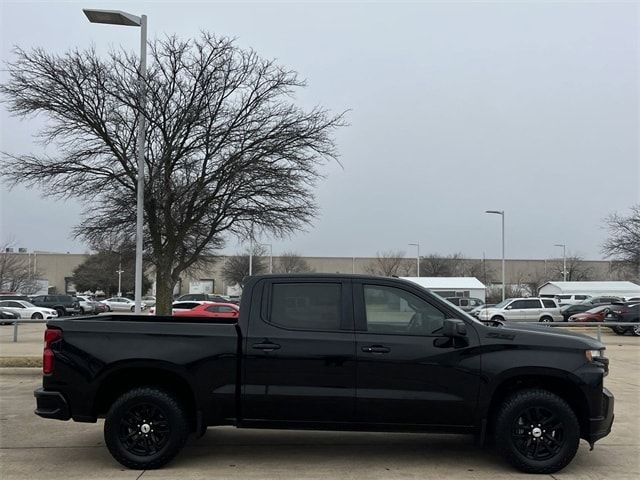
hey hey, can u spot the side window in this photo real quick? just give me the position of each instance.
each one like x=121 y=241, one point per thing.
x=225 y=309
x=213 y=309
x=517 y=304
x=306 y=306
x=548 y=303
x=392 y=310
x=530 y=304
x=15 y=305
x=581 y=297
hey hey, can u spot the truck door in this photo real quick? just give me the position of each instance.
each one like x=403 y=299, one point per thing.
x=300 y=360
x=407 y=372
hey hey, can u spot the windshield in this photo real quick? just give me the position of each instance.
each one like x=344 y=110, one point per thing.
x=28 y=305
x=502 y=303
x=596 y=310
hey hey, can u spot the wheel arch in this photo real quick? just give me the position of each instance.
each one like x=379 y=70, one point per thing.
x=116 y=382
x=553 y=381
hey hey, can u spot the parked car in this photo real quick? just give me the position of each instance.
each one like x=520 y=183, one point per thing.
x=122 y=304
x=28 y=310
x=87 y=305
x=63 y=304
x=625 y=313
x=571 y=299
x=181 y=306
x=596 y=314
x=382 y=353
x=476 y=311
x=466 y=303
x=211 y=310
x=12 y=296
x=7 y=315
x=523 y=310
x=149 y=300
x=605 y=300
x=206 y=297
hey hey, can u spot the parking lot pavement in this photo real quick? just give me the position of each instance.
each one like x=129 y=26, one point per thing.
x=34 y=448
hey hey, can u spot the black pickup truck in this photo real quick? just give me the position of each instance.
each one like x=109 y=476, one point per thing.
x=340 y=352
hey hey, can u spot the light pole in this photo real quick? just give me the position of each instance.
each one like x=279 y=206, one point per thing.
x=501 y=213
x=120 y=272
x=270 y=255
x=117 y=17
x=564 y=260
x=417 y=244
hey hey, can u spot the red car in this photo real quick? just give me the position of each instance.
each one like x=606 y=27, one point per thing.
x=210 y=309
x=596 y=314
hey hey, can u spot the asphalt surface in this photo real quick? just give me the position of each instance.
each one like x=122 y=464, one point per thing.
x=34 y=448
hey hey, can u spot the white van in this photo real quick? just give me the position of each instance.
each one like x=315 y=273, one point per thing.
x=571 y=299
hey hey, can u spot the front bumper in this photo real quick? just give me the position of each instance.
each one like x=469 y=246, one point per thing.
x=600 y=427
x=51 y=405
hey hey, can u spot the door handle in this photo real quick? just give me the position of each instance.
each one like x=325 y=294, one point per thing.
x=266 y=346
x=376 y=349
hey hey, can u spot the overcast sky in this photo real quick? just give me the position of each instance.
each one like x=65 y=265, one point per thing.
x=456 y=108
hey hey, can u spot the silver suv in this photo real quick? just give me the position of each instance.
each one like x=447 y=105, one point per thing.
x=524 y=310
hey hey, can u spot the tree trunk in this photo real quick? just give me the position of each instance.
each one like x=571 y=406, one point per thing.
x=164 y=289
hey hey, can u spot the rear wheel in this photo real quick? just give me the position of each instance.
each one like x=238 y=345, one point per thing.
x=546 y=319
x=619 y=330
x=636 y=330
x=537 y=431
x=146 y=428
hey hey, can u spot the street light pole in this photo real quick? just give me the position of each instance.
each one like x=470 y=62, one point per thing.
x=270 y=255
x=564 y=260
x=117 y=17
x=501 y=213
x=120 y=272
x=417 y=245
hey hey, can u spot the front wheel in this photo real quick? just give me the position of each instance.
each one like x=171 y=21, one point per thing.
x=537 y=431
x=636 y=330
x=618 y=330
x=37 y=316
x=146 y=428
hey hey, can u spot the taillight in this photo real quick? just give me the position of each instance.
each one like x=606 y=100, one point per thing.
x=50 y=335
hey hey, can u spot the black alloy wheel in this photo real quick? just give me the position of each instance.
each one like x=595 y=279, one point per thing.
x=144 y=429
x=538 y=433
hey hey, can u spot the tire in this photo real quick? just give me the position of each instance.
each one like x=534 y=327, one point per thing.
x=61 y=312
x=636 y=330
x=133 y=309
x=546 y=319
x=125 y=439
x=515 y=435
x=497 y=318
x=619 y=330
x=37 y=316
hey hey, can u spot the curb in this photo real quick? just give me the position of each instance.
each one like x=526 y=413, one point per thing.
x=21 y=362
x=36 y=372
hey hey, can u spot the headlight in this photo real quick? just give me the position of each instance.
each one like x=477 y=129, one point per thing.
x=593 y=354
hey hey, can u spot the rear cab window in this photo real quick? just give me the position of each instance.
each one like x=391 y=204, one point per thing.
x=306 y=306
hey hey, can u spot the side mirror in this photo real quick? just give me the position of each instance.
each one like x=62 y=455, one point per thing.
x=509 y=307
x=454 y=327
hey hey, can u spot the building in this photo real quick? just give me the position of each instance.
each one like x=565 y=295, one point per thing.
x=617 y=289
x=452 y=286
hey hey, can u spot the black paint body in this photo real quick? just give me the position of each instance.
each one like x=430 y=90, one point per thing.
x=255 y=374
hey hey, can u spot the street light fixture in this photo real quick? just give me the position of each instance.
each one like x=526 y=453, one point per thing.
x=564 y=260
x=117 y=17
x=501 y=213
x=417 y=244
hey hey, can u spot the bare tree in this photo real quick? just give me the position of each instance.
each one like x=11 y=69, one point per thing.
x=577 y=269
x=236 y=267
x=16 y=272
x=387 y=264
x=291 y=262
x=435 y=265
x=623 y=243
x=227 y=149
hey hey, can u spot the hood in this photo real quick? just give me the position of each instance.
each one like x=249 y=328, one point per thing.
x=543 y=335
